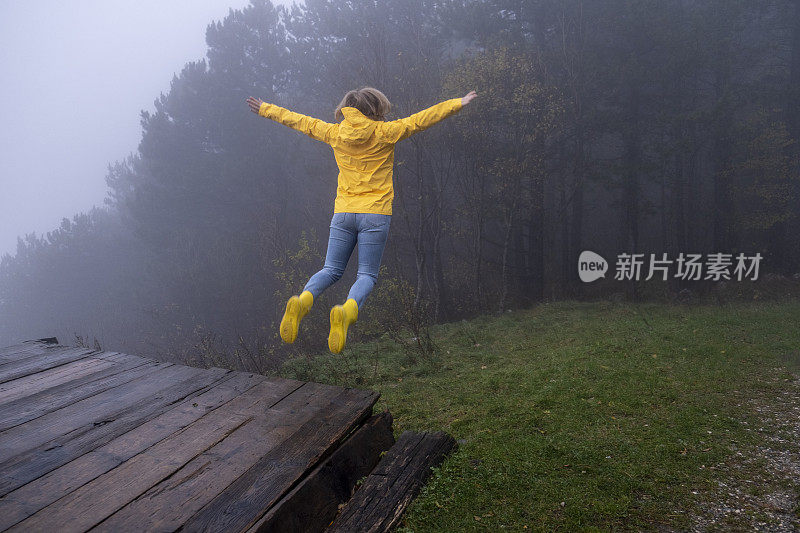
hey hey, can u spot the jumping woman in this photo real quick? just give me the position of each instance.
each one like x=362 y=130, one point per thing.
x=363 y=145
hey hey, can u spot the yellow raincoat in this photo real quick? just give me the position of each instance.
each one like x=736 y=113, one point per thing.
x=364 y=150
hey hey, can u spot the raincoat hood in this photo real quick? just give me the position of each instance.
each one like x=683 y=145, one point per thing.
x=356 y=127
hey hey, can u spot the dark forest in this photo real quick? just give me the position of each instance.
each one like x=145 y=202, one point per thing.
x=647 y=127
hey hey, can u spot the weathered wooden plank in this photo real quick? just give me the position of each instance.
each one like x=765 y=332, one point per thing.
x=314 y=502
x=93 y=407
x=20 y=351
x=166 y=460
x=31 y=384
x=20 y=411
x=110 y=418
x=99 y=498
x=241 y=504
x=14 y=354
x=378 y=505
x=30 y=498
x=114 y=356
x=17 y=351
x=35 y=364
x=10 y=349
x=47 y=340
x=167 y=505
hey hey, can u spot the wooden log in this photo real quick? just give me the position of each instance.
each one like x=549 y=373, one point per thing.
x=314 y=502
x=378 y=505
x=218 y=490
x=30 y=498
x=109 y=419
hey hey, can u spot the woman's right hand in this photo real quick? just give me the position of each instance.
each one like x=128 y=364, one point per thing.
x=468 y=98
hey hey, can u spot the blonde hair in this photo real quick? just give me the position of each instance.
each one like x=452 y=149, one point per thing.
x=368 y=100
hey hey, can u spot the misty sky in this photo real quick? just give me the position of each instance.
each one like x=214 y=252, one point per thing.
x=75 y=76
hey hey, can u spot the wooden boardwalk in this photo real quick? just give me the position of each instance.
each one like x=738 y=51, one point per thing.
x=103 y=441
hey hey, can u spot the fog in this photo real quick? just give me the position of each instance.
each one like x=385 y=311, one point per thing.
x=589 y=207
x=75 y=76
x=623 y=132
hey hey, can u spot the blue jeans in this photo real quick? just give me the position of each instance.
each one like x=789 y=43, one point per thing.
x=370 y=231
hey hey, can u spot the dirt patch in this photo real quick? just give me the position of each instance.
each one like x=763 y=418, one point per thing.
x=759 y=487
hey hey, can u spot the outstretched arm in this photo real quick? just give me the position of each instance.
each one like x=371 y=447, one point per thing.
x=313 y=127
x=397 y=130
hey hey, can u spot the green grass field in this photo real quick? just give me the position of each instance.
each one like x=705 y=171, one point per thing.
x=580 y=416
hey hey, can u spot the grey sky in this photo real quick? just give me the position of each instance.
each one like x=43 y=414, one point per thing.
x=76 y=75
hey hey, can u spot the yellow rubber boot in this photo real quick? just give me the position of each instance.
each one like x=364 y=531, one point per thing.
x=296 y=308
x=341 y=317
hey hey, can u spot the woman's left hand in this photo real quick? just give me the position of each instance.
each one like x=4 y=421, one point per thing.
x=255 y=104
